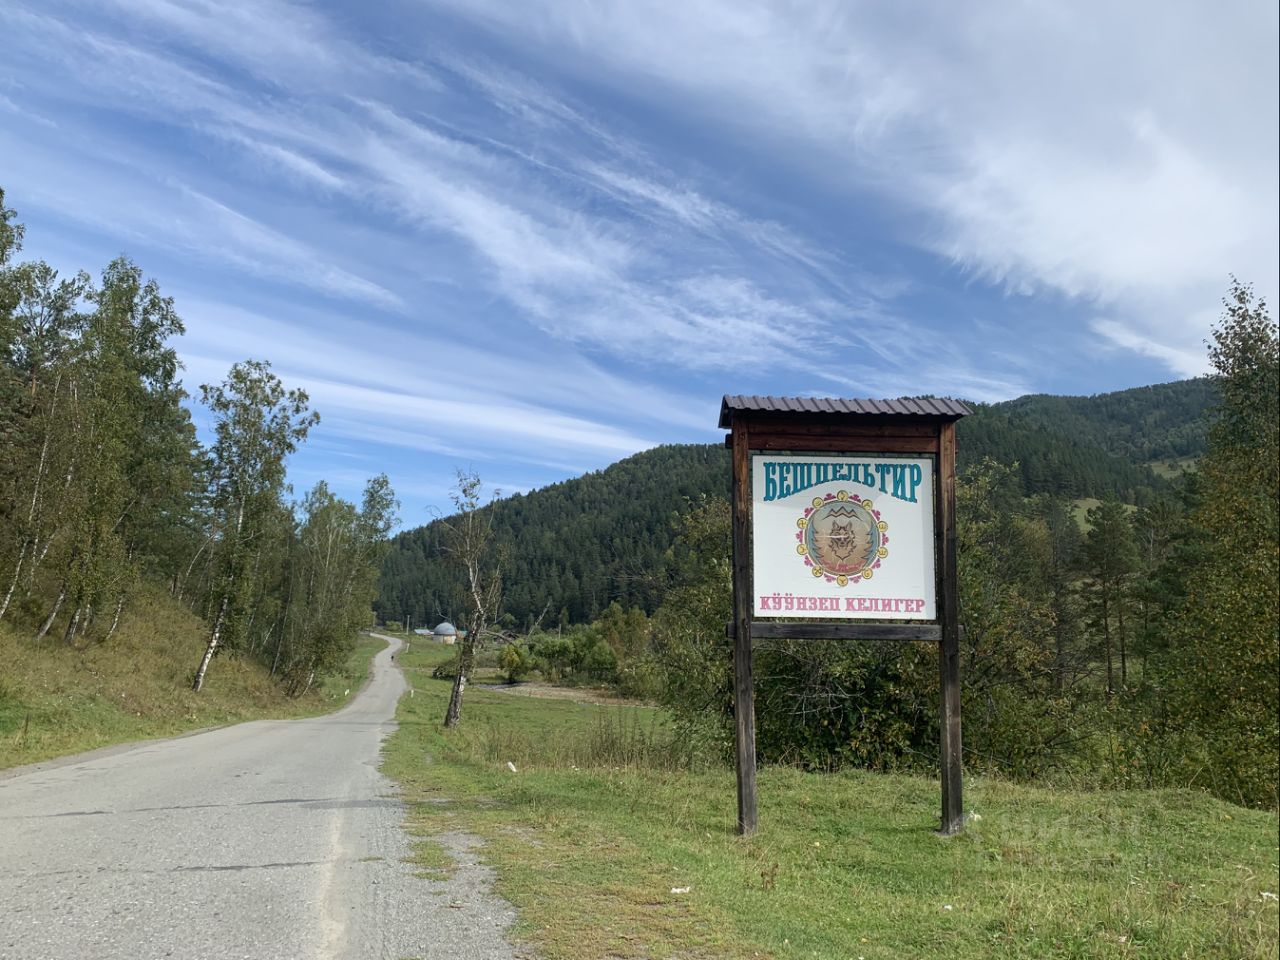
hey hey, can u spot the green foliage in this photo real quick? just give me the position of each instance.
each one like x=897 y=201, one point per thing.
x=830 y=705
x=104 y=489
x=600 y=663
x=515 y=661
x=553 y=655
x=614 y=650
x=695 y=656
x=1024 y=685
x=628 y=636
x=97 y=450
x=333 y=562
x=11 y=233
x=1096 y=446
x=1220 y=682
x=257 y=424
x=1110 y=558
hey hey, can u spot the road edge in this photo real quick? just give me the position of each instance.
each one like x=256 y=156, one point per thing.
x=115 y=749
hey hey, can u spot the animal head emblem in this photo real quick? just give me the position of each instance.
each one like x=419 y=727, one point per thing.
x=845 y=543
x=842 y=538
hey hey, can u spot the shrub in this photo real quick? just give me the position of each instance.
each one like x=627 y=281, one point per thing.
x=600 y=663
x=515 y=661
x=552 y=655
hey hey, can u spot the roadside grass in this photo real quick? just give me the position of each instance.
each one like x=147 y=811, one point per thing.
x=346 y=683
x=595 y=840
x=55 y=700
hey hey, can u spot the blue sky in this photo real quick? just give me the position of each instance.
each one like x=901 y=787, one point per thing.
x=532 y=238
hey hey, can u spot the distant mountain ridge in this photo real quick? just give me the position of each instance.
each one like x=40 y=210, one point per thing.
x=575 y=546
x=1097 y=446
x=1164 y=420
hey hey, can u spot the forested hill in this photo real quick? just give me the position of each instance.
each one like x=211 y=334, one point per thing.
x=575 y=546
x=1100 y=446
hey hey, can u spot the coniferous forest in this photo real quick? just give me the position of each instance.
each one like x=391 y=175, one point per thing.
x=1119 y=560
x=107 y=494
x=577 y=546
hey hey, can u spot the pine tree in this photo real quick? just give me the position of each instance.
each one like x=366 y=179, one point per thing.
x=1110 y=558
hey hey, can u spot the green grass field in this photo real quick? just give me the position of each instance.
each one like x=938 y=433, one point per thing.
x=1171 y=469
x=55 y=700
x=611 y=845
x=1080 y=510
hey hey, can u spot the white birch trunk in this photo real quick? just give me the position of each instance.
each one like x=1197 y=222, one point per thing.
x=37 y=558
x=180 y=582
x=32 y=508
x=275 y=663
x=53 y=614
x=214 y=636
x=115 y=620
x=13 y=583
x=69 y=635
x=216 y=633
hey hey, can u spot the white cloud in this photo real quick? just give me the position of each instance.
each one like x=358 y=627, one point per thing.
x=285 y=44
x=1125 y=155
x=154 y=214
x=257 y=248
x=1033 y=153
x=663 y=274
x=1185 y=363
x=283 y=159
x=588 y=279
x=430 y=393
x=9 y=106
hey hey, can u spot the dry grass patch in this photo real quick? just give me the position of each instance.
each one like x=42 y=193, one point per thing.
x=56 y=700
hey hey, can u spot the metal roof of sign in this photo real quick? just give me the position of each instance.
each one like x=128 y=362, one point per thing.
x=925 y=408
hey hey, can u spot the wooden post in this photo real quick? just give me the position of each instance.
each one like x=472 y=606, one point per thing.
x=949 y=646
x=743 y=681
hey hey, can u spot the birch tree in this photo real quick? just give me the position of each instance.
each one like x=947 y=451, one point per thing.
x=257 y=425
x=333 y=571
x=43 y=361
x=469 y=545
x=131 y=437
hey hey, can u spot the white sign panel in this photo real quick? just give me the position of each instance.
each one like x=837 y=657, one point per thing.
x=842 y=537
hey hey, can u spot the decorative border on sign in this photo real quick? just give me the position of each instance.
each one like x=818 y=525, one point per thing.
x=879 y=543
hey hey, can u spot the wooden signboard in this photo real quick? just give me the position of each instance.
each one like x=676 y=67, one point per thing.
x=844 y=529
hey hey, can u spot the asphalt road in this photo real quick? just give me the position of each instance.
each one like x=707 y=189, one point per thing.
x=263 y=841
